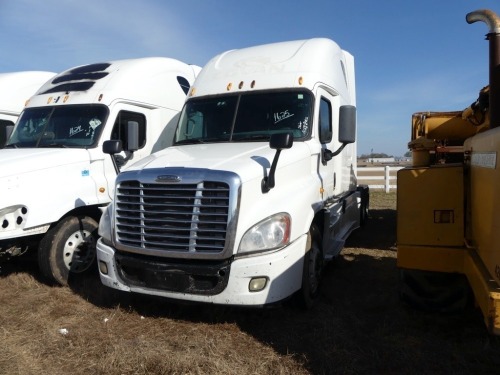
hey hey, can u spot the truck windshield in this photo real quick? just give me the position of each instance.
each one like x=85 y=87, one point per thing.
x=76 y=126
x=245 y=117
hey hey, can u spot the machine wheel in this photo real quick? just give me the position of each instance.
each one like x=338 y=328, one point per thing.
x=434 y=291
x=69 y=247
x=312 y=271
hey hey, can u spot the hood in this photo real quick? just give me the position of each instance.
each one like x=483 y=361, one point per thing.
x=246 y=159
x=16 y=161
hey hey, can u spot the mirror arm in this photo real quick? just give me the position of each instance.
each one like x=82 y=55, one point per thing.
x=268 y=181
x=115 y=164
x=328 y=155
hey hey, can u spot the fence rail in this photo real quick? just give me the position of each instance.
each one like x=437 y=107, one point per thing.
x=372 y=176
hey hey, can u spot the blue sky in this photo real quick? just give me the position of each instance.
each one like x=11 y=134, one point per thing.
x=410 y=56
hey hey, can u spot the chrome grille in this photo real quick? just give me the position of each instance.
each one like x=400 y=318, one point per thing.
x=189 y=218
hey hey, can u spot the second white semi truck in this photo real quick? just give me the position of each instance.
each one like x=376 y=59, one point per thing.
x=55 y=177
x=15 y=89
x=258 y=190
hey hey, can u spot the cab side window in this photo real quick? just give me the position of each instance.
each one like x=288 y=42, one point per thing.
x=325 y=121
x=121 y=125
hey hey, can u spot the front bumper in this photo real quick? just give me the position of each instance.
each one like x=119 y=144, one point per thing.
x=282 y=269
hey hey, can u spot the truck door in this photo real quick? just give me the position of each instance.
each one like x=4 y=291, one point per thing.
x=327 y=119
x=119 y=132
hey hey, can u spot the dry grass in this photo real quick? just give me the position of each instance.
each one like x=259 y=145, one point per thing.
x=358 y=327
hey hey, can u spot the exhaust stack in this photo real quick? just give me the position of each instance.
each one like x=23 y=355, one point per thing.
x=493 y=22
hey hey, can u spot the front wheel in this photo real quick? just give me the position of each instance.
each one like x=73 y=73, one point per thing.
x=68 y=248
x=312 y=271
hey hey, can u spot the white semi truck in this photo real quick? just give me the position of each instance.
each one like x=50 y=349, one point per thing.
x=15 y=89
x=258 y=190
x=54 y=175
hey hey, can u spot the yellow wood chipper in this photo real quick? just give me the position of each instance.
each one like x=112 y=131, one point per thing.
x=448 y=201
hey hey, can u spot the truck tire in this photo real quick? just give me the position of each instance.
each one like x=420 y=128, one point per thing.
x=436 y=292
x=68 y=248
x=312 y=271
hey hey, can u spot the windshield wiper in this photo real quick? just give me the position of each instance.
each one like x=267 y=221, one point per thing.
x=198 y=141
x=255 y=137
x=55 y=145
x=13 y=145
x=189 y=141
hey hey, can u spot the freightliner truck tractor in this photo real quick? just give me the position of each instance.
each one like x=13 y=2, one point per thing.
x=257 y=192
x=15 y=90
x=55 y=177
x=448 y=203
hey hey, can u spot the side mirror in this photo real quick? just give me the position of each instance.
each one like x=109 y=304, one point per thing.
x=132 y=136
x=347 y=124
x=112 y=147
x=6 y=129
x=347 y=131
x=280 y=141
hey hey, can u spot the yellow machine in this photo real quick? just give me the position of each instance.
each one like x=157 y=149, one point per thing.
x=448 y=206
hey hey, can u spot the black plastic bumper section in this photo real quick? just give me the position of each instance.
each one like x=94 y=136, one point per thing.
x=174 y=275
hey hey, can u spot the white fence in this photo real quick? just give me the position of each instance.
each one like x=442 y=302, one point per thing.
x=372 y=175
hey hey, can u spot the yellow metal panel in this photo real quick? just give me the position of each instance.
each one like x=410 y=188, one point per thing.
x=430 y=206
x=484 y=206
x=443 y=125
x=486 y=290
x=428 y=258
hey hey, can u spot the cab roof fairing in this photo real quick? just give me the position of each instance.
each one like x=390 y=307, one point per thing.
x=279 y=65
x=151 y=80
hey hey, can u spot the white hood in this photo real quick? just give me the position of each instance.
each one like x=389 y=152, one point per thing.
x=248 y=159
x=16 y=161
x=47 y=182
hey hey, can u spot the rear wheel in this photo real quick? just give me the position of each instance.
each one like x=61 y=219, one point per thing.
x=434 y=291
x=68 y=248
x=312 y=271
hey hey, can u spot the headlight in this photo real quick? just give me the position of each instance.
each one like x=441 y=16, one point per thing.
x=271 y=233
x=105 y=229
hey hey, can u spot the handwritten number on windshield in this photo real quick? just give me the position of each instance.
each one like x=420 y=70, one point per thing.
x=283 y=115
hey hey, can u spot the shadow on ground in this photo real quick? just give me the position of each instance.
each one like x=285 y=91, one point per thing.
x=358 y=326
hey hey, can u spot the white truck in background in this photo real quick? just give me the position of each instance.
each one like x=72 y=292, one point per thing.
x=15 y=89
x=55 y=177
x=258 y=190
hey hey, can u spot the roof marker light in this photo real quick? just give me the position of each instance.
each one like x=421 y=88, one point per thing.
x=193 y=91
x=229 y=85
x=252 y=85
x=301 y=80
x=49 y=99
x=240 y=86
x=100 y=98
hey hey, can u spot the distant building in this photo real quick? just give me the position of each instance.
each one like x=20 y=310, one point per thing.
x=381 y=160
x=404 y=159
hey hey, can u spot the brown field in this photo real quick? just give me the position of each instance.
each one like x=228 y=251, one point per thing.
x=358 y=327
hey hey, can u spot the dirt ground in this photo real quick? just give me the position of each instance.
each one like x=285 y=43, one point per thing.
x=358 y=327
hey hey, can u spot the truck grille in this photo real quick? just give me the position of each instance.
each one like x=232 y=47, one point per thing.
x=188 y=218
